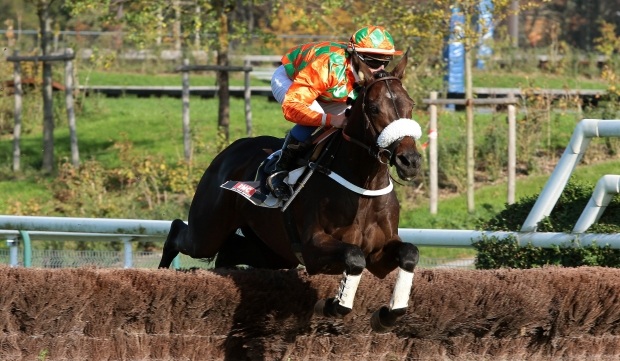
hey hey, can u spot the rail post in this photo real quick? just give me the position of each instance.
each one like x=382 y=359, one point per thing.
x=186 y=68
x=187 y=141
x=512 y=149
x=432 y=155
x=75 y=153
x=127 y=251
x=13 y=244
x=247 y=95
x=433 y=102
x=27 y=248
x=48 y=116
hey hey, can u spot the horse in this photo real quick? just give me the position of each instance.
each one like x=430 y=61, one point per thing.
x=330 y=227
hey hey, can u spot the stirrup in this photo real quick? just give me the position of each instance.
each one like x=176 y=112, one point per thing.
x=277 y=186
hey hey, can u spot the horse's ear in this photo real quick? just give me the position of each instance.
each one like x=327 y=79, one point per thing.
x=399 y=70
x=363 y=71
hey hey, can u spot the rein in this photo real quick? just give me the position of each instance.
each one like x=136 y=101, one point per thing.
x=380 y=151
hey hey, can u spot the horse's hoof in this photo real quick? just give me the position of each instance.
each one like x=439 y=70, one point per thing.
x=330 y=308
x=383 y=320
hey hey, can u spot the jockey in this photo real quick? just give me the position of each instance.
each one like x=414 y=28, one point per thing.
x=313 y=84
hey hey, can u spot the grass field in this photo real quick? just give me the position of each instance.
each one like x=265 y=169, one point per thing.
x=482 y=78
x=153 y=127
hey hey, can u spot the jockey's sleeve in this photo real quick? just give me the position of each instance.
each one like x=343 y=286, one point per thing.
x=307 y=86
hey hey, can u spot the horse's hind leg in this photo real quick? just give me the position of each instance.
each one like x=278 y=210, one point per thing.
x=385 y=318
x=178 y=228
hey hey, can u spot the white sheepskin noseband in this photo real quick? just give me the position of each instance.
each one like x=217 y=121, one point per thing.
x=397 y=130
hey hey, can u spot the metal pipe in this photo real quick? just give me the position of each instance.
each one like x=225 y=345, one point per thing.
x=128 y=251
x=583 y=133
x=27 y=249
x=606 y=188
x=11 y=242
x=465 y=238
x=88 y=225
x=80 y=236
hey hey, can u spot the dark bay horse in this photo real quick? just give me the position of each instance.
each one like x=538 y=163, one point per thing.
x=332 y=227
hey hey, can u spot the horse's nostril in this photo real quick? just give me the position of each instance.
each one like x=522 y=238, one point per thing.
x=410 y=160
x=404 y=160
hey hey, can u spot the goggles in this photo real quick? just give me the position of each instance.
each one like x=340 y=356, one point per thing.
x=374 y=63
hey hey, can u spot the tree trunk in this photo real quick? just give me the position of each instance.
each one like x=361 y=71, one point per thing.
x=513 y=23
x=48 y=108
x=223 y=78
x=176 y=27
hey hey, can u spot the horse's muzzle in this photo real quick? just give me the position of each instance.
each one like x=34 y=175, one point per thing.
x=407 y=161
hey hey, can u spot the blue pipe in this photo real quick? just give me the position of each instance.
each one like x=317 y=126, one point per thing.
x=27 y=248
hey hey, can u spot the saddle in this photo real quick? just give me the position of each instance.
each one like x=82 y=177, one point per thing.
x=256 y=191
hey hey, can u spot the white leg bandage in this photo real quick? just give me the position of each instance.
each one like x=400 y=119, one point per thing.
x=402 y=289
x=348 y=287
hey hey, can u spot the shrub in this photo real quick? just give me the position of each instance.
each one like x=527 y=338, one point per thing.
x=496 y=253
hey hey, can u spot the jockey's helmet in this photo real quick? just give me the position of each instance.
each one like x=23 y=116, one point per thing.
x=373 y=40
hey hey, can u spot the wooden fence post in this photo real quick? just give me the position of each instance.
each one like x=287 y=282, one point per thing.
x=187 y=141
x=17 y=130
x=48 y=113
x=512 y=148
x=433 y=102
x=75 y=153
x=185 y=69
x=432 y=155
x=247 y=95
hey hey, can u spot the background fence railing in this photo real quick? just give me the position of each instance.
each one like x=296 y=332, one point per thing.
x=129 y=231
x=150 y=260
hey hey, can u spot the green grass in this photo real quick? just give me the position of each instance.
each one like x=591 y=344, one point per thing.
x=492 y=79
x=452 y=211
x=491 y=199
x=489 y=79
x=153 y=127
x=168 y=78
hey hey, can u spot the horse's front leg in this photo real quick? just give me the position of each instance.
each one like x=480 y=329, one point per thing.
x=407 y=256
x=328 y=255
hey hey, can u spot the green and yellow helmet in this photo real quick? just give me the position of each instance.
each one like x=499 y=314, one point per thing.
x=373 y=39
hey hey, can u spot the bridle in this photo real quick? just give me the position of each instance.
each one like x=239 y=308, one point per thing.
x=374 y=150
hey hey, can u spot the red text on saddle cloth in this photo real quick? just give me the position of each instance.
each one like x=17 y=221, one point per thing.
x=244 y=188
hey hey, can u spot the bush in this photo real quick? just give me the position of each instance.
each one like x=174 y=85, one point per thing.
x=496 y=253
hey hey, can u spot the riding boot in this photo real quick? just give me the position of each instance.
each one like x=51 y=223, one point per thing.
x=291 y=150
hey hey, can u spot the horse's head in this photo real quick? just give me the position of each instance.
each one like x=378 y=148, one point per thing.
x=381 y=118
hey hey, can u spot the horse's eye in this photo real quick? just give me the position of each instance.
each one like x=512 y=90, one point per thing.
x=373 y=109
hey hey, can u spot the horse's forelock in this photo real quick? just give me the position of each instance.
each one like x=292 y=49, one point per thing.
x=381 y=74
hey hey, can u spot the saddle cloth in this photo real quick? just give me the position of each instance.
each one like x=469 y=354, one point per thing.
x=256 y=191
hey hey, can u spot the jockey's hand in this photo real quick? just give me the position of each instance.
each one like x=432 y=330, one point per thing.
x=338 y=121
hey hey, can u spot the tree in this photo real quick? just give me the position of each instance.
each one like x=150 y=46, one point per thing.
x=424 y=25
x=231 y=21
x=43 y=12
